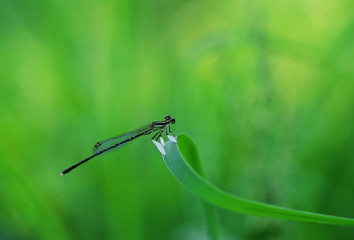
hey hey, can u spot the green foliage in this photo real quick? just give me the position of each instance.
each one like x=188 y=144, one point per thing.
x=191 y=155
x=191 y=177
x=265 y=89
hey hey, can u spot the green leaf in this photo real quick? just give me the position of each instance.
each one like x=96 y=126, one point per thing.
x=183 y=160
x=196 y=163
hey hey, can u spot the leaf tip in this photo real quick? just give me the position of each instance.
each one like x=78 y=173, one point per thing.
x=159 y=147
x=162 y=141
x=172 y=138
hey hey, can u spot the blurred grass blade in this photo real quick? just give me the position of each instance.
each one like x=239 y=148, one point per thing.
x=182 y=160
x=196 y=163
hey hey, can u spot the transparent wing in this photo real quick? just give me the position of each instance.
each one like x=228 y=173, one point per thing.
x=114 y=143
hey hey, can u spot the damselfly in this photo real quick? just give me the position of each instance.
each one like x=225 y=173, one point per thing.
x=114 y=143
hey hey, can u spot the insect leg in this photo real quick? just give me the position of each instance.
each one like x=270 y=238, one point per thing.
x=155 y=135
x=160 y=133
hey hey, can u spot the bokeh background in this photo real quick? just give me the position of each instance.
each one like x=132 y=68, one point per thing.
x=265 y=88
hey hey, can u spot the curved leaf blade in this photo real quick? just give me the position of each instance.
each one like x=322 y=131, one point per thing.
x=181 y=156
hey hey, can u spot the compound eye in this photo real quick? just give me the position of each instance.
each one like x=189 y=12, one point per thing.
x=167 y=117
x=173 y=120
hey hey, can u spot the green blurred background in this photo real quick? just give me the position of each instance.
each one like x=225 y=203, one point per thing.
x=265 y=88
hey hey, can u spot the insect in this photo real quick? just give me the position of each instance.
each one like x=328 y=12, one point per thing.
x=114 y=143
